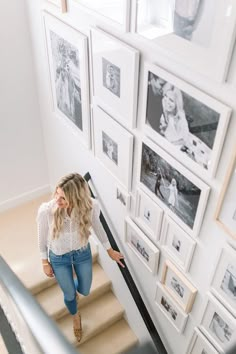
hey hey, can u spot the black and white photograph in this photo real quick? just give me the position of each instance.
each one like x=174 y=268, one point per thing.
x=228 y=284
x=178 y=288
x=121 y=197
x=140 y=244
x=176 y=243
x=220 y=328
x=110 y=148
x=67 y=51
x=199 y=344
x=184 y=120
x=170 y=309
x=111 y=77
x=171 y=187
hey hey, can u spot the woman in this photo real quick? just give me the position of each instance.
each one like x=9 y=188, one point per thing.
x=173 y=194
x=63 y=230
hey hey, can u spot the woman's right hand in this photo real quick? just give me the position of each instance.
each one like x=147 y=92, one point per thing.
x=47 y=268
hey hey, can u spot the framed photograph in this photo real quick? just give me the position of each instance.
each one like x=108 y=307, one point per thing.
x=113 y=62
x=113 y=146
x=224 y=280
x=193 y=33
x=122 y=197
x=200 y=345
x=115 y=13
x=148 y=215
x=225 y=214
x=180 y=193
x=218 y=324
x=188 y=123
x=177 y=244
x=178 y=286
x=140 y=244
x=62 y=4
x=68 y=63
x=170 y=309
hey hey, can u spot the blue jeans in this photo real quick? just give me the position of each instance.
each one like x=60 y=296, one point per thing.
x=79 y=260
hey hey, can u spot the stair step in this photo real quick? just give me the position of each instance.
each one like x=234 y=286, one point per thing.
x=96 y=317
x=116 y=339
x=51 y=299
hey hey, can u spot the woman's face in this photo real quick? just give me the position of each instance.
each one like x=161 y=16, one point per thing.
x=61 y=199
x=169 y=101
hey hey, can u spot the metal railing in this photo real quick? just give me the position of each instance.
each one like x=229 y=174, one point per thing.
x=35 y=331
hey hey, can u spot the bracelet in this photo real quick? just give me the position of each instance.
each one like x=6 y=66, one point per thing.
x=45 y=263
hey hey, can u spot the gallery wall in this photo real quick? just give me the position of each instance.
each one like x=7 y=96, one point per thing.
x=22 y=154
x=68 y=149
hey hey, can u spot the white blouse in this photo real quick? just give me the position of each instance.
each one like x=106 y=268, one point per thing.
x=69 y=238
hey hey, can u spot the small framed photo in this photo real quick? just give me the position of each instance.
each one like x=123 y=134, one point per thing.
x=68 y=64
x=113 y=146
x=170 y=309
x=148 y=215
x=177 y=244
x=140 y=244
x=224 y=280
x=225 y=214
x=62 y=4
x=199 y=344
x=218 y=324
x=115 y=13
x=178 y=286
x=122 y=197
x=188 y=123
x=193 y=33
x=180 y=193
x=113 y=62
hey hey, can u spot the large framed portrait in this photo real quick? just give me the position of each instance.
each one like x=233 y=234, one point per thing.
x=68 y=63
x=199 y=344
x=191 y=32
x=148 y=215
x=115 y=13
x=218 y=324
x=225 y=214
x=113 y=146
x=177 y=317
x=62 y=4
x=180 y=193
x=224 y=280
x=178 y=286
x=188 y=123
x=142 y=247
x=113 y=62
x=177 y=244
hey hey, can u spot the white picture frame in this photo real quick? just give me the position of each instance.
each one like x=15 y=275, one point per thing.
x=61 y=4
x=223 y=284
x=177 y=317
x=114 y=14
x=177 y=244
x=225 y=214
x=199 y=344
x=185 y=201
x=141 y=246
x=218 y=324
x=113 y=61
x=185 y=121
x=148 y=215
x=178 y=286
x=113 y=146
x=213 y=32
x=68 y=63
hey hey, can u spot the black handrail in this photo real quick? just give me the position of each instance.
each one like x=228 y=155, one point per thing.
x=132 y=286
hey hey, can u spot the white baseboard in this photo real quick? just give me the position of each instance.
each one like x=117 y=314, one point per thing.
x=25 y=197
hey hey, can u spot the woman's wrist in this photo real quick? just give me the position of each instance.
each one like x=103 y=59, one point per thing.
x=45 y=262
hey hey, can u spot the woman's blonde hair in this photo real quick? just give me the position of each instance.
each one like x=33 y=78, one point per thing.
x=78 y=196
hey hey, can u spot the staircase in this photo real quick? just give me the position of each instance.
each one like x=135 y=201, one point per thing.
x=105 y=330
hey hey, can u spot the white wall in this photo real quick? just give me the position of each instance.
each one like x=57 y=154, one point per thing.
x=66 y=154
x=23 y=167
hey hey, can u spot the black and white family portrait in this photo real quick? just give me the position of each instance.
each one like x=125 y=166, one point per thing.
x=110 y=148
x=66 y=68
x=111 y=77
x=228 y=284
x=188 y=124
x=168 y=308
x=220 y=328
x=170 y=186
x=139 y=247
x=179 y=289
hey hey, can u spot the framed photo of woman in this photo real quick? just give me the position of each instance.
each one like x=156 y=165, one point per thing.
x=186 y=122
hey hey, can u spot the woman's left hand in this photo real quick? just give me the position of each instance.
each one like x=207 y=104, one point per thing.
x=116 y=256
